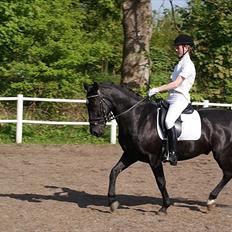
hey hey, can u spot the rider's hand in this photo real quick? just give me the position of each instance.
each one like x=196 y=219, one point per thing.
x=153 y=91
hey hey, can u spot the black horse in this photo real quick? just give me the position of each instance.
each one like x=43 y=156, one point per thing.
x=138 y=137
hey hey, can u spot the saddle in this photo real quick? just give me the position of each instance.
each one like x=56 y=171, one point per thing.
x=163 y=108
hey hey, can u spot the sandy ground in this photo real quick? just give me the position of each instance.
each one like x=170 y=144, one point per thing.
x=63 y=189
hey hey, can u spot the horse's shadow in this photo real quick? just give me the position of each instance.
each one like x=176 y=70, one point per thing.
x=87 y=200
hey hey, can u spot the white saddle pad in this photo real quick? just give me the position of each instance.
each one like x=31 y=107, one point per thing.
x=191 y=126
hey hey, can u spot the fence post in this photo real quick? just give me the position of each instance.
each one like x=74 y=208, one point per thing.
x=113 y=132
x=19 y=126
x=206 y=103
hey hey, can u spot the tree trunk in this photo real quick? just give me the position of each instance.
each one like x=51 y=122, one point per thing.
x=137 y=25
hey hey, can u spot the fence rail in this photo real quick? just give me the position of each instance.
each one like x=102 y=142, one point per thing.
x=20 y=121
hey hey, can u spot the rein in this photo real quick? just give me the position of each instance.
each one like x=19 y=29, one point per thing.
x=129 y=109
x=110 y=117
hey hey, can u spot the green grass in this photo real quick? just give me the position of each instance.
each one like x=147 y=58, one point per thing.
x=49 y=134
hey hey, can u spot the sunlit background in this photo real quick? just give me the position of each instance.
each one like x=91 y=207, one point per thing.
x=159 y=5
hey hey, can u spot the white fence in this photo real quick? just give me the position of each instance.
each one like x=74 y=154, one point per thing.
x=20 y=121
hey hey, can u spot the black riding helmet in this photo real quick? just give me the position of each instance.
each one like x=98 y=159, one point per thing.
x=183 y=40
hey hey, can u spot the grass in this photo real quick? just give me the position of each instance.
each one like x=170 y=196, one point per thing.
x=48 y=134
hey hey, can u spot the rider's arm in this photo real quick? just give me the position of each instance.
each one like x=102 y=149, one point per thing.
x=171 y=85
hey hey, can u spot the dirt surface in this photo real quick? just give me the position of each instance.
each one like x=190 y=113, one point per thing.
x=63 y=189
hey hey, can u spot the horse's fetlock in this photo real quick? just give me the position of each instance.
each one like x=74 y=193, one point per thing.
x=114 y=205
x=111 y=199
x=162 y=211
x=211 y=204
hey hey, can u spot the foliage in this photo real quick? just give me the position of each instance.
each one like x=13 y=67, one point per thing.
x=210 y=24
x=49 y=48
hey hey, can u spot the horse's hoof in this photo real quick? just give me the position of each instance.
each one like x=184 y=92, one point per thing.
x=114 y=205
x=211 y=204
x=162 y=211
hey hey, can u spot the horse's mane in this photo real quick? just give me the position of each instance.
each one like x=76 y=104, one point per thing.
x=123 y=88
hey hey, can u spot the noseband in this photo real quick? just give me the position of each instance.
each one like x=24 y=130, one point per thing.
x=110 y=116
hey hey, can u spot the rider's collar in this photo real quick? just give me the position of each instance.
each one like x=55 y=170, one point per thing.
x=184 y=55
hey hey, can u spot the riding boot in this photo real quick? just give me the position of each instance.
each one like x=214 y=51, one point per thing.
x=172 y=140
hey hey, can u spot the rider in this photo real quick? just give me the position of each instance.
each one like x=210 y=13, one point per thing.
x=182 y=79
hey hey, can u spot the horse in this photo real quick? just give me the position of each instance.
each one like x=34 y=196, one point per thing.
x=139 y=140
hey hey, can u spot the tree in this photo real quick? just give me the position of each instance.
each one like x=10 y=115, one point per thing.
x=137 y=26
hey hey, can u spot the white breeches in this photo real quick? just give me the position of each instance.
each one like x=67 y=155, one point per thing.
x=177 y=103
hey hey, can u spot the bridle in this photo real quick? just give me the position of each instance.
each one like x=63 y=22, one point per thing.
x=110 y=116
x=105 y=117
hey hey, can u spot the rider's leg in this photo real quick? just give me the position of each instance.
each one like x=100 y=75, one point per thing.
x=172 y=140
x=177 y=103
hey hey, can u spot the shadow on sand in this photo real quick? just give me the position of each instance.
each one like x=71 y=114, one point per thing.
x=86 y=200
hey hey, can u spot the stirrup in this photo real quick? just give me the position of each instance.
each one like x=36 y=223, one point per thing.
x=170 y=157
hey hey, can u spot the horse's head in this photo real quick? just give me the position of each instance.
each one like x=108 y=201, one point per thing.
x=98 y=109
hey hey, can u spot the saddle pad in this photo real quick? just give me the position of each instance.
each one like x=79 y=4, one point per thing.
x=191 y=127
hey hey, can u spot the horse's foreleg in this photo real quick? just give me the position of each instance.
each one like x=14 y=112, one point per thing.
x=124 y=162
x=161 y=182
x=213 y=195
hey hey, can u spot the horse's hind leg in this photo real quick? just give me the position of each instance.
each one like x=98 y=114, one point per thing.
x=124 y=162
x=213 y=195
x=224 y=160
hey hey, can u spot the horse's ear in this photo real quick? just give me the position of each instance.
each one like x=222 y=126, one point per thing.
x=86 y=86
x=95 y=85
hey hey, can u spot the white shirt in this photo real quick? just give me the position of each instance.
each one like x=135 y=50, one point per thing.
x=186 y=69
